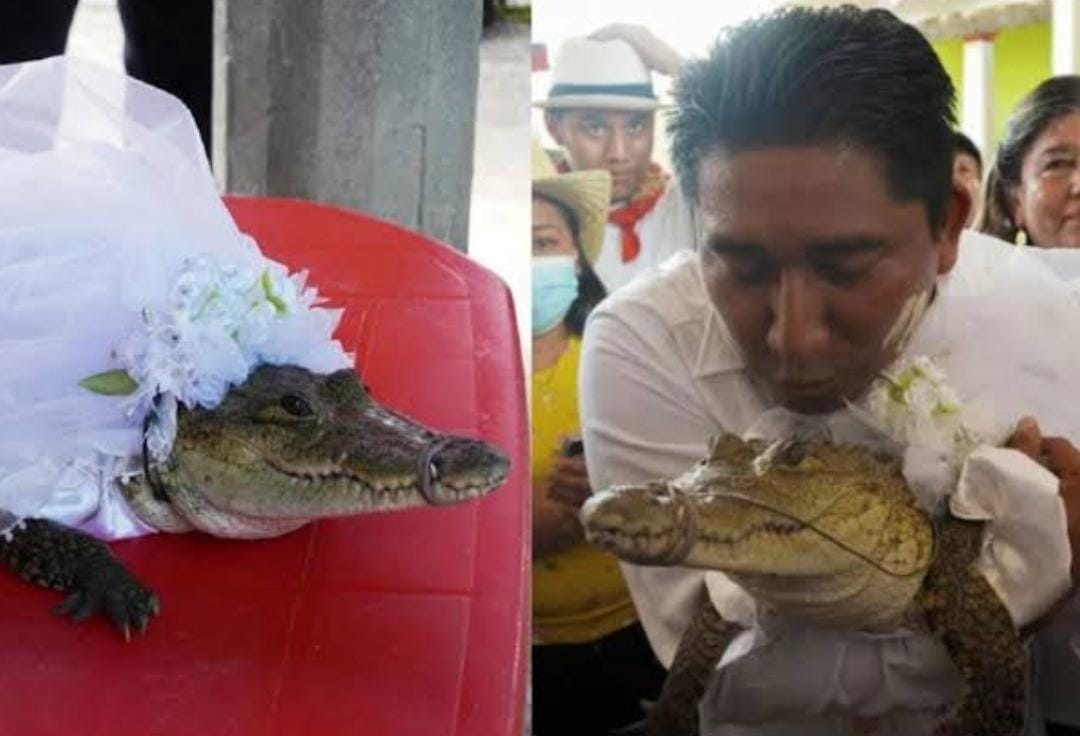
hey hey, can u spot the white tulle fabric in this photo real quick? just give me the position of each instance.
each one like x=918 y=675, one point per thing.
x=116 y=252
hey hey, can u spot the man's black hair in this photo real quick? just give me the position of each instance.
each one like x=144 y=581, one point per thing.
x=963 y=144
x=803 y=76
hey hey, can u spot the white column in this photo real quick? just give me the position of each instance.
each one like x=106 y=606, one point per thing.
x=977 y=107
x=1065 y=34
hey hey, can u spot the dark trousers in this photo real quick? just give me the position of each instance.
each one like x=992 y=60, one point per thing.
x=167 y=43
x=590 y=689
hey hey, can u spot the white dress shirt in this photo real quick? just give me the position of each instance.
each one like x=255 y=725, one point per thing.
x=663 y=231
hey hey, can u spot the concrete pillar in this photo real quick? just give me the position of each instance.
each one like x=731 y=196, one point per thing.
x=368 y=104
x=1065 y=36
x=977 y=107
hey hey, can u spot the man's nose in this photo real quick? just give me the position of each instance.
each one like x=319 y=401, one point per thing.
x=618 y=146
x=799 y=332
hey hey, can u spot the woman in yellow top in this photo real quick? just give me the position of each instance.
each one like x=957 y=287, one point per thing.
x=592 y=665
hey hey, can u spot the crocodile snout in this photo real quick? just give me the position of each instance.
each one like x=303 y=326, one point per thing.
x=453 y=469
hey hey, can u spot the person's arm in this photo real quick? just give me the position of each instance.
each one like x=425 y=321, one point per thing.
x=655 y=54
x=1063 y=460
x=1060 y=457
x=641 y=421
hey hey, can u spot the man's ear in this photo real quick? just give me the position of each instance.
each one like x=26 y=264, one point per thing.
x=553 y=123
x=956 y=215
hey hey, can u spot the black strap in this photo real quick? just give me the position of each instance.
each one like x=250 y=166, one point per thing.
x=156 y=486
x=621 y=90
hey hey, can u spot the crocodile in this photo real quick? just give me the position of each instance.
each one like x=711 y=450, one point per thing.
x=283 y=448
x=829 y=534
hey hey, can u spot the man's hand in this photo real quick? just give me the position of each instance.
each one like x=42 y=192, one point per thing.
x=654 y=53
x=568 y=481
x=1061 y=458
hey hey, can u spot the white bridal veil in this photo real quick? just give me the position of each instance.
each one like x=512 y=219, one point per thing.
x=120 y=271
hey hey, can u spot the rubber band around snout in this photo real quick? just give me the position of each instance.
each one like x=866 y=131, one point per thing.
x=157 y=488
x=686 y=525
x=423 y=473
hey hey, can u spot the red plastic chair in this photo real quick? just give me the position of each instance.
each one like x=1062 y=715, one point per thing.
x=409 y=623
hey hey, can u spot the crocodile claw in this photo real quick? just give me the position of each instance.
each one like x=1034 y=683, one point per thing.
x=103 y=585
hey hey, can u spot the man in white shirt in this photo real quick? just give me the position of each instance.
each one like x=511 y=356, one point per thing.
x=817 y=145
x=601 y=110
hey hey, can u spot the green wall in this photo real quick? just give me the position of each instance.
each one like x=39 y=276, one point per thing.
x=1021 y=61
x=951 y=53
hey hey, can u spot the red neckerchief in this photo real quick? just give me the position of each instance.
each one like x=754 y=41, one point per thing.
x=627 y=216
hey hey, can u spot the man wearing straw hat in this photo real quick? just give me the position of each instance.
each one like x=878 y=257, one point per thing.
x=592 y=664
x=601 y=110
x=836 y=293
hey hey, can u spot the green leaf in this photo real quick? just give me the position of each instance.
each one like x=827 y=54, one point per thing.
x=268 y=289
x=110 y=383
x=210 y=299
x=943 y=409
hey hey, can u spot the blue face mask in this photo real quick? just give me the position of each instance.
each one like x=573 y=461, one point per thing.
x=554 y=288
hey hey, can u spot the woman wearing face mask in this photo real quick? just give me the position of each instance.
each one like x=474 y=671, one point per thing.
x=591 y=662
x=1033 y=193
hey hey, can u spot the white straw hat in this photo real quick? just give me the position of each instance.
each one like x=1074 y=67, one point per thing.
x=587 y=193
x=606 y=75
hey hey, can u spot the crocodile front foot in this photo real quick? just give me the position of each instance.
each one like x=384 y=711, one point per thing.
x=54 y=556
x=105 y=586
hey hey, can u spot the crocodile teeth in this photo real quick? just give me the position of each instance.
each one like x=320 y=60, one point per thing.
x=433 y=472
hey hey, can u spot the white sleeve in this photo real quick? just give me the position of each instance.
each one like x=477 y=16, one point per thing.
x=641 y=421
x=1025 y=555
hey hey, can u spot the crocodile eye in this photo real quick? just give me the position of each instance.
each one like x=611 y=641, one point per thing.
x=296 y=406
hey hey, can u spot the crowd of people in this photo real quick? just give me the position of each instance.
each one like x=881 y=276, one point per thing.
x=824 y=221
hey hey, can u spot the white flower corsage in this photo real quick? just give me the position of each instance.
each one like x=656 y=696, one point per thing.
x=222 y=317
x=916 y=407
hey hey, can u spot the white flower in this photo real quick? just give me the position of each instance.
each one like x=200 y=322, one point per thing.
x=916 y=406
x=219 y=320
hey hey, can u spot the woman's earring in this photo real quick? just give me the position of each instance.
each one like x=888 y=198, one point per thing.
x=1021 y=236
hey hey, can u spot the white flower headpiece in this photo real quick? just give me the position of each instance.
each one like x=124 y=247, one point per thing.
x=222 y=318
x=916 y=406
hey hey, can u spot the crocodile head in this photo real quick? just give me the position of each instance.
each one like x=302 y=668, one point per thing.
x=825 y=532
x=288 y=446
